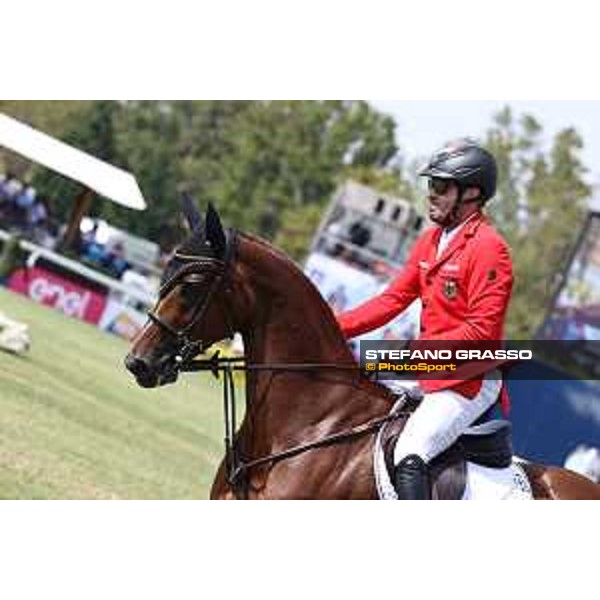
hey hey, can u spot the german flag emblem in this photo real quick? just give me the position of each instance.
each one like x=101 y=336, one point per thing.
x=450 y=289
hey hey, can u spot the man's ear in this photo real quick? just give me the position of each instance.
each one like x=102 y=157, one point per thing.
x=471 y=193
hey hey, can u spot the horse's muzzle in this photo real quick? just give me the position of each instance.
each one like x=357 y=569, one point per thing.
x=150 y=375
x=144 y=374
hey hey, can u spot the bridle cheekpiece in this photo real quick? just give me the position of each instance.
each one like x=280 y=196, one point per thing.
x=197 y=265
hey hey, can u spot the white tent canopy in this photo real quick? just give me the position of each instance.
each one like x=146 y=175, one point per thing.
x=105 y=179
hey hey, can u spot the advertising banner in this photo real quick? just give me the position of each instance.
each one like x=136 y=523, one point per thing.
x=48 y=288
x=122 y=320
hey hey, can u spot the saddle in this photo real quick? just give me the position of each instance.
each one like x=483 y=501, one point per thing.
x=487 y=443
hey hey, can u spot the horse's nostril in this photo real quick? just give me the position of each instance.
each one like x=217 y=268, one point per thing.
x=136 y=365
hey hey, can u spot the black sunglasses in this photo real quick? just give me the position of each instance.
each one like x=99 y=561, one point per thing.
x=438 y=186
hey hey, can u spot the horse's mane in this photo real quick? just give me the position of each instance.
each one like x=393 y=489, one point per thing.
x=298 y=275
x=301 y=279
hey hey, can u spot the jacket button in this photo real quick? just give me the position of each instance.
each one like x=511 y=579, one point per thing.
x=423 y=329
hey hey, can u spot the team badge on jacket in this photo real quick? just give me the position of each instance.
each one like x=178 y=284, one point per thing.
x=450 y=289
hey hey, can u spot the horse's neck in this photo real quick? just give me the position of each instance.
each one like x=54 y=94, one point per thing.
x=293 y=332
x=295 y=326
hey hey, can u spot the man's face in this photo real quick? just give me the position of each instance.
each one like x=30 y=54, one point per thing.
x=443 y=195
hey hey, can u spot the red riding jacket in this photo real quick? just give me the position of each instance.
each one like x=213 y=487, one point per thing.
x=464 y=293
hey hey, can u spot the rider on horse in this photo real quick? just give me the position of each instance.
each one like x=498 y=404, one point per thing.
x=462 y=272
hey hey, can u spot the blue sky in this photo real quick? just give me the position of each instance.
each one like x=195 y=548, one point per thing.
x=424 y=125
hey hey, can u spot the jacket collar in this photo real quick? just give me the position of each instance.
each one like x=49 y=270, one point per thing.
x=468 y=231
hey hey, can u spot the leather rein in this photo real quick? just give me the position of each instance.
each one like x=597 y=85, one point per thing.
x=237 y=469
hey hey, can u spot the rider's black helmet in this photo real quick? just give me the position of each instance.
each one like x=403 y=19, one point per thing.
x=467 y=163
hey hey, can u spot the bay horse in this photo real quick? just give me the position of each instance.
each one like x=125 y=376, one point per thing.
x=310 y=421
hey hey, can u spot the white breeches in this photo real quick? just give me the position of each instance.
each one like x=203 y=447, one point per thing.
x=442 y=417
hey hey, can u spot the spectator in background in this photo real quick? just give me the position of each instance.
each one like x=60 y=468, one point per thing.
x=22 y=203
x=11 y=187
x=10 y=258
x=114 y=260
x=38 y=213
x=26 y=198
x=360 y=234
x=3 y=203
x=89 y=247
x=40 y=222
x=88 y=238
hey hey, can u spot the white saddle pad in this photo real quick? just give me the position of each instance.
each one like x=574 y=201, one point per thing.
x=482 y=483
x=497 y=484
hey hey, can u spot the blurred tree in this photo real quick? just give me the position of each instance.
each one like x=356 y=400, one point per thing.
x=388 y=180
x=259 y=159
x=146 y=134
x=254 y=159
x=299 y=224
x=539 y=207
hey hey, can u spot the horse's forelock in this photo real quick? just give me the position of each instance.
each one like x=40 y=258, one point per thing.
x=195 y=245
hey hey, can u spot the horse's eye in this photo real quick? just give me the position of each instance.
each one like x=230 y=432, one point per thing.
x=190 y=292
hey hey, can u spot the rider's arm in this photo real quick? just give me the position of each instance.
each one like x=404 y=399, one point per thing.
x=375 y=313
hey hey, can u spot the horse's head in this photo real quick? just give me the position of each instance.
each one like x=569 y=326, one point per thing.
x=194 y=301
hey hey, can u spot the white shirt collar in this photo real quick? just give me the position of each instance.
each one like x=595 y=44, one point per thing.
x=448 y=235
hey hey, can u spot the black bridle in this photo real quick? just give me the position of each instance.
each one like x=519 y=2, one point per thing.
x=194 y=265
x=237 y=468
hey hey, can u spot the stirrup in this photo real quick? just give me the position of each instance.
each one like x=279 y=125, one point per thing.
x=411 y=479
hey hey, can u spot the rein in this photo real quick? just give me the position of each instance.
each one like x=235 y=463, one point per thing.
x=236 y=468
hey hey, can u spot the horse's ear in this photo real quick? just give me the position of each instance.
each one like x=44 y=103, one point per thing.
x=191 y=213
x=214 y=231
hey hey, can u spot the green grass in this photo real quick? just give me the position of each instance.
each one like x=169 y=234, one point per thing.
x=73 y=423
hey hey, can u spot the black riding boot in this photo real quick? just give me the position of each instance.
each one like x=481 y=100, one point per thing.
x=411 y=479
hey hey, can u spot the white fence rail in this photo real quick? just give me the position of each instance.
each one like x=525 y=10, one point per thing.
x=113 y=285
